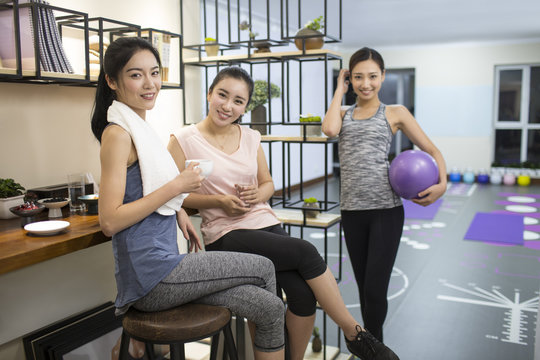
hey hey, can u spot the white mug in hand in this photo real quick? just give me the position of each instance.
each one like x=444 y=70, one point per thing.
x=205 y=165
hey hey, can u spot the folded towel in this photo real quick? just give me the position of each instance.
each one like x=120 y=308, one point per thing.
x=156 y=163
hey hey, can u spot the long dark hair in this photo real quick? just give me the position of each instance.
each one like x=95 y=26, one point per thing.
x=116 y=57
x=234 y=72
x=364 y=54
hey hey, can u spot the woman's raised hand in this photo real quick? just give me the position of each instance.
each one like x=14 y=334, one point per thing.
x=343 y=81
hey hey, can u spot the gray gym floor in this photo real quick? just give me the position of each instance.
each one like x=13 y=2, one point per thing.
x=452 y=298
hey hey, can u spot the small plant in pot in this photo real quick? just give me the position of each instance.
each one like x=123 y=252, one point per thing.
x=258 y=99
x=316 y=343
x=261 y=46
x=211 y=46
x=310 y=130
x=11 y=194
x=310 y=204
x=310 y=36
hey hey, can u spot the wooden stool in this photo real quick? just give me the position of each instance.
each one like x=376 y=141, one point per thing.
x=177 y=326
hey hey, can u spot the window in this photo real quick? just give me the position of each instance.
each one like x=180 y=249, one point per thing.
x=517 y=114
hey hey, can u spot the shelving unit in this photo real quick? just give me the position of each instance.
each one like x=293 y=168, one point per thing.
x=76 y=27
x=238 y=52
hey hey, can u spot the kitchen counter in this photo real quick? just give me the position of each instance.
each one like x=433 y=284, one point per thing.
x=18 y=248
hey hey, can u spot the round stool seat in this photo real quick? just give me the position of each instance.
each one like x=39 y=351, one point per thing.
x=185 y=323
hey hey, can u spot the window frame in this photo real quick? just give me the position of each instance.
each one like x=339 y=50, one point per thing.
x=523 y=123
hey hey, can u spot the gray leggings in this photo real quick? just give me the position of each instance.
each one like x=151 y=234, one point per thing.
x=243 y=283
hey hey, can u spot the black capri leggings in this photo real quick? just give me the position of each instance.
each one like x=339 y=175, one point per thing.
x=295 y=261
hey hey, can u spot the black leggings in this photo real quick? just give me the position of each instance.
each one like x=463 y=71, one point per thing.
x=295 y=261
x=372 y=238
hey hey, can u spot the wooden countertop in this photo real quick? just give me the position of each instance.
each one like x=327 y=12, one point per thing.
x=18 y=248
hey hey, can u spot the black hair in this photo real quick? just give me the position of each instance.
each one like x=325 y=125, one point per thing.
x=234 y=72
x=116 y=57
x=364 y=54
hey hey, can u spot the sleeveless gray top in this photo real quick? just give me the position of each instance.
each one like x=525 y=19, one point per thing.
x=363 y=156
x=144 y=253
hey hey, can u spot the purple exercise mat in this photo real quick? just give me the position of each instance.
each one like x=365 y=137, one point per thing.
x=415 y=211
x=500 y=228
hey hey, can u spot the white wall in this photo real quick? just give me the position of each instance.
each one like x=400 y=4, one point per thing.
x=45 y=134
x=455 y=93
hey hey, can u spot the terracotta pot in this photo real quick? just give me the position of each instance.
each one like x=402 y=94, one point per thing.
x=305 y=34
x=311 y=130
x=258 y=115
x=211 y=49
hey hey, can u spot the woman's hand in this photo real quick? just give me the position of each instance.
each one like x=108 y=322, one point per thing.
x=430 y=195
x=188 y=230
x=232 y=205
x=342 y=81
x=249 y=194
x=190 y=178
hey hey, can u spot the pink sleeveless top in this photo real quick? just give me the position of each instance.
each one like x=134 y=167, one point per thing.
x=229 y=169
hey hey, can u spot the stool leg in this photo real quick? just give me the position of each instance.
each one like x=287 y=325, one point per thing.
x=177 y=351
x=150 y=351
x=214 y=347
x=229 y=342
x=124 y=346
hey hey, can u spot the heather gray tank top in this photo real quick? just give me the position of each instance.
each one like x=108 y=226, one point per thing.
x=363 y=157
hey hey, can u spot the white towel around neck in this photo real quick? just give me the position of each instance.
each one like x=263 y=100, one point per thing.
x=156 y=163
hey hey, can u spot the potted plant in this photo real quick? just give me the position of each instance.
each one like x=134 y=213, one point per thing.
x=310 y=204
x=310 y=130
x=211 y=46
x=316 y=343
x=11 y=194
x=258 y=99
x=310 y=36
x=261 y=46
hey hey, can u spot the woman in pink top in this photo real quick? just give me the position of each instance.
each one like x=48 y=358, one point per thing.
x=236 y=217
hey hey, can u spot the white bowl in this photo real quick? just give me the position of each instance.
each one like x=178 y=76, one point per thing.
x=54 y=207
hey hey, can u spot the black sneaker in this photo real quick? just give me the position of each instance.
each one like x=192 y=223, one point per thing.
x=366 y=347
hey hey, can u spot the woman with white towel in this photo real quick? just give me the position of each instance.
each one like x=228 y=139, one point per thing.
x=141 y=194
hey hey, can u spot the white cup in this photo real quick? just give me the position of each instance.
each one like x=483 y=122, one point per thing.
x=205 y=165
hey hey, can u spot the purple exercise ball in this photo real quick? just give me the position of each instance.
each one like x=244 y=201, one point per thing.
x=411 y=172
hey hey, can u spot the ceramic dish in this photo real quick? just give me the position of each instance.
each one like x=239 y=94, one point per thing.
x=27 y=216
x=91 y=202
x=49 y=227
x=54 y=206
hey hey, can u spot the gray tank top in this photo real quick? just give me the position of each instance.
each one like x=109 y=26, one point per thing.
x=363 y=156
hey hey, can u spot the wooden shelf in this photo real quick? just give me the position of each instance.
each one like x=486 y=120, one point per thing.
x=286 y=138
x=331 y=353
x=309 y=54
x=295 y=217
x=32 y=73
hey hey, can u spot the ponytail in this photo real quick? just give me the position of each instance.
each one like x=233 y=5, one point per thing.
x=104 y=98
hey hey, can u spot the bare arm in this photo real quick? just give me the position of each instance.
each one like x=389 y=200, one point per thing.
x=331 y=124
x=405 y=122
x=115 y=216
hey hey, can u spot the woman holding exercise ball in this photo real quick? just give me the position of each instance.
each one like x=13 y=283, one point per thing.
x=372 y=213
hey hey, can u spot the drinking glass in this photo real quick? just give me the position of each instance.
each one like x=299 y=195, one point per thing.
x=75 y=189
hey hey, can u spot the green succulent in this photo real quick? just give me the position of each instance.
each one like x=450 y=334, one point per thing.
x=260 y=94
x=310 y=200
x=310 y=118
x=209 y=39
x=315 y=24
x=9 y=188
